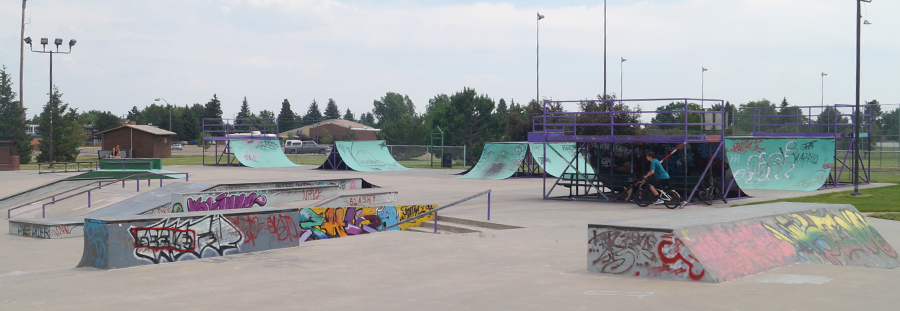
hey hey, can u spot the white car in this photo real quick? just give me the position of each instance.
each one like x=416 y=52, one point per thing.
x=177 y=147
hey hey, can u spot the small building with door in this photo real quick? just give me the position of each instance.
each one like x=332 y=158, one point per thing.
x=9 y=155
x=138 y=141
x=337 y=128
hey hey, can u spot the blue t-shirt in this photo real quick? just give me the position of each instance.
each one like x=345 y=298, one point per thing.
x=658 y=171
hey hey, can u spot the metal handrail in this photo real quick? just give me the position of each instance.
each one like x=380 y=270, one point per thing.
x=88 y=191
x=91 y=165
x=434 y=211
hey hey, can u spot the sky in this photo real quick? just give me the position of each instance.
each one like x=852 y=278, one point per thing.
x=354 y=51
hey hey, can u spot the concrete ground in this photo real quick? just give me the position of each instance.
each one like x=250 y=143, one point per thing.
x=541 y=266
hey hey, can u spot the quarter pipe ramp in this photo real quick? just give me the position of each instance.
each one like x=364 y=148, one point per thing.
x=362 y=156
x=800 y=164
x=259 y=153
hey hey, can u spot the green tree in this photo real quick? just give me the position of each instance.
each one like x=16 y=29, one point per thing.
x=156 y=115
x=604 y=106
x=313 y=114
x=468 y=119
x=326 y=137
x=368 y=119
x=135 y=115
x=517 y=126
x=331 y=110
x=213 y=110
x=106 y=121
x=392 y=106
x=831 y=121
x=349 y=115
x=501 y=107
x=190 y=125
x=875 y=117
x=67 y=135
x=12 y=118
x=407 y=130
x=286 y=120
x=348 y=136
x=759 y=110
x=245 y=113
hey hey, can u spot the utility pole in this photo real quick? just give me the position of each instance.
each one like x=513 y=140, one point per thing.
x=22 y=57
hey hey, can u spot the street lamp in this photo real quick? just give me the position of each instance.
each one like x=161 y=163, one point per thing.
x=539 y=18
x=22 y=58
x=856 y=114
x=620 y=77
x=57 y=42
x=823 y=89
x=702 y=96
x=170 y=111
x=604 y=53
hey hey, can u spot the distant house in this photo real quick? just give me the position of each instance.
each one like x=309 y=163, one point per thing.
x=336 y=127
x=140 y=141
x=9 y=155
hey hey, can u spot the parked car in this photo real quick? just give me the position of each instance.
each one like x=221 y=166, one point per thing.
x=193 y=142
x=177 y=147
x=297 y=147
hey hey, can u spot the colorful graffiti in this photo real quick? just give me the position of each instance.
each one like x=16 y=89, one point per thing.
x=732 y=250
x=641 y=253
x=95 y=235
x=841 y=237
x=333 y=222
x=781 y=164
x=171 y=239
x=224 y=201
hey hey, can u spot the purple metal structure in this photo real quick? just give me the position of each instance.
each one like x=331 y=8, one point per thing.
x=218 y=129
x=613 y=122
x=830 y=122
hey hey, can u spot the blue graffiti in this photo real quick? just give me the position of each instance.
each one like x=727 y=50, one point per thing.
x=95 y=233
x=388 y=216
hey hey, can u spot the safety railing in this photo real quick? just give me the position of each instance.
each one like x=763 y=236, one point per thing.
x=65 y=167
x=100 y=185
x=434 y=211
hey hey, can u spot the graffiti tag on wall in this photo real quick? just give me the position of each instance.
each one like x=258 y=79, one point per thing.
x=781 y=164
x=171 y=240
x=641 y=253
x=223 y=201
x=334 y=222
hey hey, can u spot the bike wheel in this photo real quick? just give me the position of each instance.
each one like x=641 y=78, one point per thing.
x=718 y=193
x=705 y=197
x=643 y=197
x=674 y=200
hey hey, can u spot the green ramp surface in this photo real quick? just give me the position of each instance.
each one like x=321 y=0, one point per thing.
x=556 y=165
x=259 y=153
x=799 y=164
x=498 y=161
x=367 y=156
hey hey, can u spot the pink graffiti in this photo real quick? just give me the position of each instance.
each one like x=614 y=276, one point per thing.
x=746 y=146
x=225 y=201
x=734 y=251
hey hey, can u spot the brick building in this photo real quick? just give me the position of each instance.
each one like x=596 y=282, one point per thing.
x=141 y=141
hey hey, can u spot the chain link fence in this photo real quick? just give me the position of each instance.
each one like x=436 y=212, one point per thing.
x=423 y=156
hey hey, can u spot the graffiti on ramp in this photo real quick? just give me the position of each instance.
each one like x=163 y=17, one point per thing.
x=259 y=153
x=800 y=164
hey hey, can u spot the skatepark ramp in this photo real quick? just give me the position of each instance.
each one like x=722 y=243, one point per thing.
x=318 y=223
x=722 y=245
x=360 y=199
x=362 y=156
x=259 y=153
x=513 y=159
x=121 y=242
x=801 y=164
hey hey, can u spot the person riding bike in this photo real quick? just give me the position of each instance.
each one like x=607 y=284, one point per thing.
x=662 y=177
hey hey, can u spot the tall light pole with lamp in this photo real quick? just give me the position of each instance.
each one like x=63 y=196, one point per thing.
x=702 y=96
x=170 y=111
x=621 y=64
x=856 y=158
x=22 y=57
x=538 y=62
x=57 y=42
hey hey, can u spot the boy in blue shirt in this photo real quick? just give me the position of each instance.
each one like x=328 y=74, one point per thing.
x=662 y=177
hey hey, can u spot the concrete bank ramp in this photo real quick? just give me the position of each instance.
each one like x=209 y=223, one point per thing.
x=362 y=156
x=121 y=242
x=725 y=244
x=259 y=153
x=800 y=164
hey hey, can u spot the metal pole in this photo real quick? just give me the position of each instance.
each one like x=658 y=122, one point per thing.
x=435 y=222
x=51 y=108
x=22 y=57
x=489 y=206
x=538 y=55
x=621 y=88
x=856 y=113
x=604 y=51
x=823 y=89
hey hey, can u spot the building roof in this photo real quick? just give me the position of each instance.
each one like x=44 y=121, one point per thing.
x=338 y=122
x=144 y=128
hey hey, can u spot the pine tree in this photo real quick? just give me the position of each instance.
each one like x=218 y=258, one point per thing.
x=213 y=110
x=190 y=125
x=67 y=134
x=313 y=114
x=12 y=118
x=286 y=120
x=332 y=111
x=134 y=115
x=245 y=114
x=349 y=115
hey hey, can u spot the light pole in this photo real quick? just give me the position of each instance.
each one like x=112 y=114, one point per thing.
x=702 y=96
x=823 y=89
x=539 y=18
x=170 y=111
x=22 y=57
x=604 y=51
x=856 y=114
x=57 y=42
x=621 y=64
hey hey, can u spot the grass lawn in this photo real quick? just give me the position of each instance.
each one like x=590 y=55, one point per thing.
x=883 y=199
x=888 y=216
